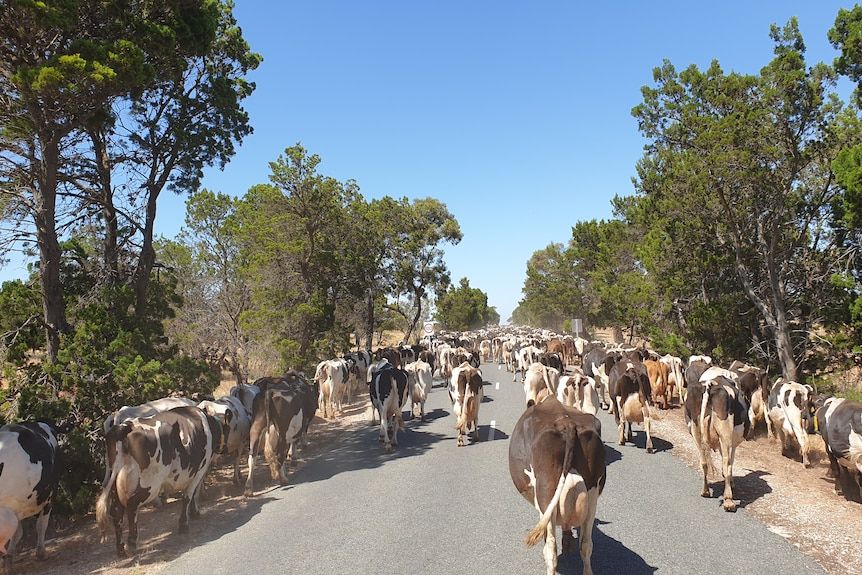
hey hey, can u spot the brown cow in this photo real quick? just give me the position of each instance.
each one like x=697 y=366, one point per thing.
x=658 y=376
x=557 y=463
x=465 y=391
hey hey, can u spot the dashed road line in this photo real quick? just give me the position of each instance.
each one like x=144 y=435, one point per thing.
x=492 y=428
x=497 y=386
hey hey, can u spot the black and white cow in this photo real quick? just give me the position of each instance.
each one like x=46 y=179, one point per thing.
x=839 y=421
x=388 y=392
x=245 y=393
x=631 y=398
x=557 y=462
x=280 y=417
x=554 y=360
x=597 y=363
x=790 y=409
x=753 y=382
x=235 y=424
x=717 y=418
x=29 y=472
x=170 y=451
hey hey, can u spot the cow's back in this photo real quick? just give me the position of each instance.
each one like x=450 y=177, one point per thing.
x=29 y=469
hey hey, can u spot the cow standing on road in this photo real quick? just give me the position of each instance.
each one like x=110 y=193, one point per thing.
x=557 y=463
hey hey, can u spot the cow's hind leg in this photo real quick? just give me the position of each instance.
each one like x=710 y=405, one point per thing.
x=728 y=451
x=41 y=528
x=117 y=513
x=132 y=517
x=649 y=447
x=585 y=531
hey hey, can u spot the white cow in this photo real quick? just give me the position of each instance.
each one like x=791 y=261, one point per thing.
x=332 y=377
x=791 y=407
x=235 y=421
x=579 y=390
x=675 y=375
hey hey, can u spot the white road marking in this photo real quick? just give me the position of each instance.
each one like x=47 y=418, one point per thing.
x=491 y=429
x=497 y=385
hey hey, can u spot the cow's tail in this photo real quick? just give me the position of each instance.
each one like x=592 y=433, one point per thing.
x=551 y=390
x=466 y=413
x=537 y=532
x=706 y=430
x=109 y=492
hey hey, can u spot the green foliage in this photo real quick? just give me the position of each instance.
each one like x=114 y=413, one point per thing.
x=20 y=327
x=464 y=308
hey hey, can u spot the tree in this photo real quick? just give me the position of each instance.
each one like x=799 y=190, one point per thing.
x=416 y=266
x=741 y=163
x=207 y=263
x=464 y=308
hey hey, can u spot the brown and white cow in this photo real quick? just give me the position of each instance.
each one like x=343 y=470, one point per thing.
x=485 y=350
x=557 y=463
x=753 y=382
x=658 y=376
x=839 y=421
x=466 y=392
x=578 y=390
x=169 y=451
x=540 y=380
x=29 y=472
x=631 y=398
x=717 y=418
x=675 y=377
x=789 y=411
x=419 y=382
x=281 y=415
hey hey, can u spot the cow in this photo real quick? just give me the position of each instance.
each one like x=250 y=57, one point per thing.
x=675 y=378
x=631 y=398
x=29 y=473
x=578 y=391
x=485 y=350
x=235 y=423
x=419 y=382
x=789 y=411
x=388 y=391
x=538 y=378
x=362 y=361
x=597 y=363
x=429 y=358
x=717 y=418
x=839 y=421
x=128 y=412
x=445 y=356
x=280 y=418
x=466 y=392
x=552 y=360
x=557 y=463
x=169 y=451
x=658 y=376
x=332 y=377
x=693 y=371
x=525 y=357
x=245 y=393
x=390 y=354
x=557 y=346
x=408 y=355
x=753 y=382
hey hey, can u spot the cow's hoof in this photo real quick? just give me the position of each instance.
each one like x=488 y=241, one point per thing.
x=121 y=554
x=729 y=505
x=195 y=514
x=248 y=492
x=387 y=449
x=40 y=554
x=650 y=450
x=705 y=493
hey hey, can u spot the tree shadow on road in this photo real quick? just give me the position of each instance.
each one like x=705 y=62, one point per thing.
x=359 y=448
x=609 y=556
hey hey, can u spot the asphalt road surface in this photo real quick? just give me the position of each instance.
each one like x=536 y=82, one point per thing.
x=431 y=507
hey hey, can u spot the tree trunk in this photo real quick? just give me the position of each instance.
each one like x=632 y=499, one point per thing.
x=147 y=258
x=369 y=327
x=109 y=212
x=415 y=317
x=45 y=196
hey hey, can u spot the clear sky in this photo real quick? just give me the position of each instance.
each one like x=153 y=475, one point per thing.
x=515 y=114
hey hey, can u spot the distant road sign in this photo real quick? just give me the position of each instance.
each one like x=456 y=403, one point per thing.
x=577 y=326
x=429 y=328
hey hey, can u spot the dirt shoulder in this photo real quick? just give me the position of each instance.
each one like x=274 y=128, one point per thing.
x=797 y=503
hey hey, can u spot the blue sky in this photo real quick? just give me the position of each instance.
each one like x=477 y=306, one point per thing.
x=515 y=114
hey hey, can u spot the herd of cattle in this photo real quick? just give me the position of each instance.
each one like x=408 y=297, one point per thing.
x=556 y=455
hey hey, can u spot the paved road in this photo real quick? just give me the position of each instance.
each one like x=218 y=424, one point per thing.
x=431 y=507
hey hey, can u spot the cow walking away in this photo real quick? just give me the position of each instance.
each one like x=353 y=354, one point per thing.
x=29 y=472
x=281 y=416
x=466 y=392
x=717 y=418
x=557 y=463
x=631 y=399
x=169 y=451
x=420 y=382
x=388 y=391
x=839 y=421
x=790 y=416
